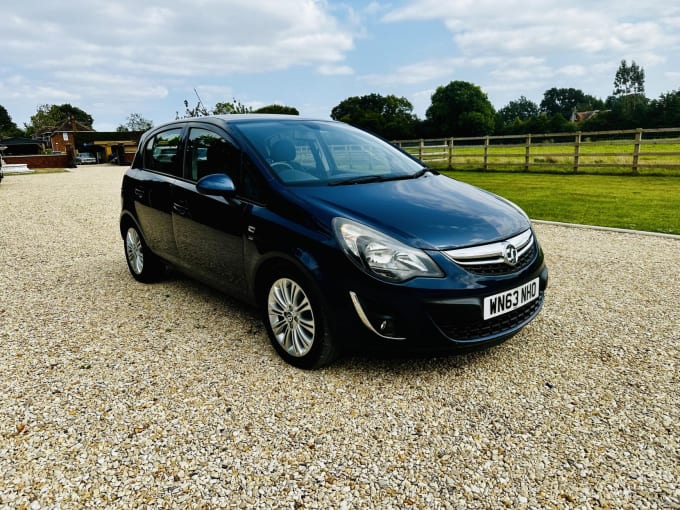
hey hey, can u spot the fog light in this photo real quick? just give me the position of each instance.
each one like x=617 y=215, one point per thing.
x=387 y=327
x=380 y=323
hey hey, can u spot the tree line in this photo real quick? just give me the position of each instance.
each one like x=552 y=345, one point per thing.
x=50 y=116
x=462 y=109
x=457 y=109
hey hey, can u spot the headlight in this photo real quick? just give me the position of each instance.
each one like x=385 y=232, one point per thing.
x=381 y=255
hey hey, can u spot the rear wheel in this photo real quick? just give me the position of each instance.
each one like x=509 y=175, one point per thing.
x=296 y=320
x=142 y=263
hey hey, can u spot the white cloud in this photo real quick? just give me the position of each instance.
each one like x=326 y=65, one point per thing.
x=147 y=57
x=134 y=52
x=20 y=87
x=532 y=45
x=176 y=38
x=335 y=70
x=418 y=72
x=184 y=39
x=546 y=27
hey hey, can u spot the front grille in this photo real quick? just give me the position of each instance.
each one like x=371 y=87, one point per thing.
x=500 y=268
x=468 y=325
x=491 y=259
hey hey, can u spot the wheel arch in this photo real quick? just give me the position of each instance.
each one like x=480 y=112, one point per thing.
x=273 y=262
x=325 y=348
x=127 y=220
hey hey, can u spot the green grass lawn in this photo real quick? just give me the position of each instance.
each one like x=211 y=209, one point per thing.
x=632 y=202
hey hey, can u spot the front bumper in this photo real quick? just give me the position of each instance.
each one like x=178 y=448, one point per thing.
x=436 y=319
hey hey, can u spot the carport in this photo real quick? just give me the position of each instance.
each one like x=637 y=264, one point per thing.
x=18 y=146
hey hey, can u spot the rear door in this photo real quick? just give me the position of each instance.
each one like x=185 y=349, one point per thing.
x=153 y=190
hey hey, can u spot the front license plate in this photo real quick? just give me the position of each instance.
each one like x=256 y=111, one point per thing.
x=510 y=300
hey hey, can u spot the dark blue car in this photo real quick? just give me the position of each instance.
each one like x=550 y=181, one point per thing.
x=338 y=237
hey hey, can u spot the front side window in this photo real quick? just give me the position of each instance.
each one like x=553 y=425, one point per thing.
x=161 y=153
x=210 y=153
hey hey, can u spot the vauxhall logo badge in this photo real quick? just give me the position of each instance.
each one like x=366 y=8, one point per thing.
x=510 y=254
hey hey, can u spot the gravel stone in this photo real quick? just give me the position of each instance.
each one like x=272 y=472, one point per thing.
x=117 y=394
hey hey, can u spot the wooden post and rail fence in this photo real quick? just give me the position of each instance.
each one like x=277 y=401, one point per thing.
x=634 y=151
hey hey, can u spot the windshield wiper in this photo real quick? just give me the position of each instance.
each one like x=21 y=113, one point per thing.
x=416 y=175
x=423 y=171
x=358 y=180
x=382 y=178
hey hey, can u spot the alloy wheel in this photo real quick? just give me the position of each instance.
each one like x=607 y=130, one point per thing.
x=291 y=317
x=134 y=250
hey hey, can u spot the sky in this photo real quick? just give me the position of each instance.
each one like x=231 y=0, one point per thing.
x=115 y=58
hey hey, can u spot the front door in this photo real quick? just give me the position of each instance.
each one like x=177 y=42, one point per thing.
x=209 y=231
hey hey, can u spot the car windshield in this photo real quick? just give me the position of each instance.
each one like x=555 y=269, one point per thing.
x=301 y=152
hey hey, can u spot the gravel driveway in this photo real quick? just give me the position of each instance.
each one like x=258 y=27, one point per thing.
x=116 y=394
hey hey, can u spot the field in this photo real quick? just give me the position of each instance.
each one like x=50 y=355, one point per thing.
x=593 y=158
x=610 y=153
x=631 y=202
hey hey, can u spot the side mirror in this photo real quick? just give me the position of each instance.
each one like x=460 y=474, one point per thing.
x=219 y=185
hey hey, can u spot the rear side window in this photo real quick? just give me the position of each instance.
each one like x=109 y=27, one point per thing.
x=162 y=153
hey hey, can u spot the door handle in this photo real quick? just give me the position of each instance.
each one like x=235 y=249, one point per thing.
x=139 y=192
x=180 y=208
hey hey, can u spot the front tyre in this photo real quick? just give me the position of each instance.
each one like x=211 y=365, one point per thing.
x=296 y=321
x=142 y=263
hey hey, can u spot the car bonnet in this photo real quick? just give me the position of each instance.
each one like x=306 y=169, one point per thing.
x=430 y=212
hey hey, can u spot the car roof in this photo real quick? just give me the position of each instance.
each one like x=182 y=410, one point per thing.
x=254 y=117
x=234 y=119
x=240 y=118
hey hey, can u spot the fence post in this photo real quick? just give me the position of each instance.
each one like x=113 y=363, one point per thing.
x=450 y=144
x=421 y=149
x=577 y=150
x=636 y=151
x=486 y=153
x=527 y=152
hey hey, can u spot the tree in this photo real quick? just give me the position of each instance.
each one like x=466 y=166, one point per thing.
x=233 y=107
x=567 y=100
x=277 y=108
x=8 y=128
x=629 y=79
x=665 y=111
x=461 y=109
x=200 y=110
x=49 y=116
x=626 y=112
x=629 y=88
x=388 y=116
x=521 y=108
x=135 y=122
